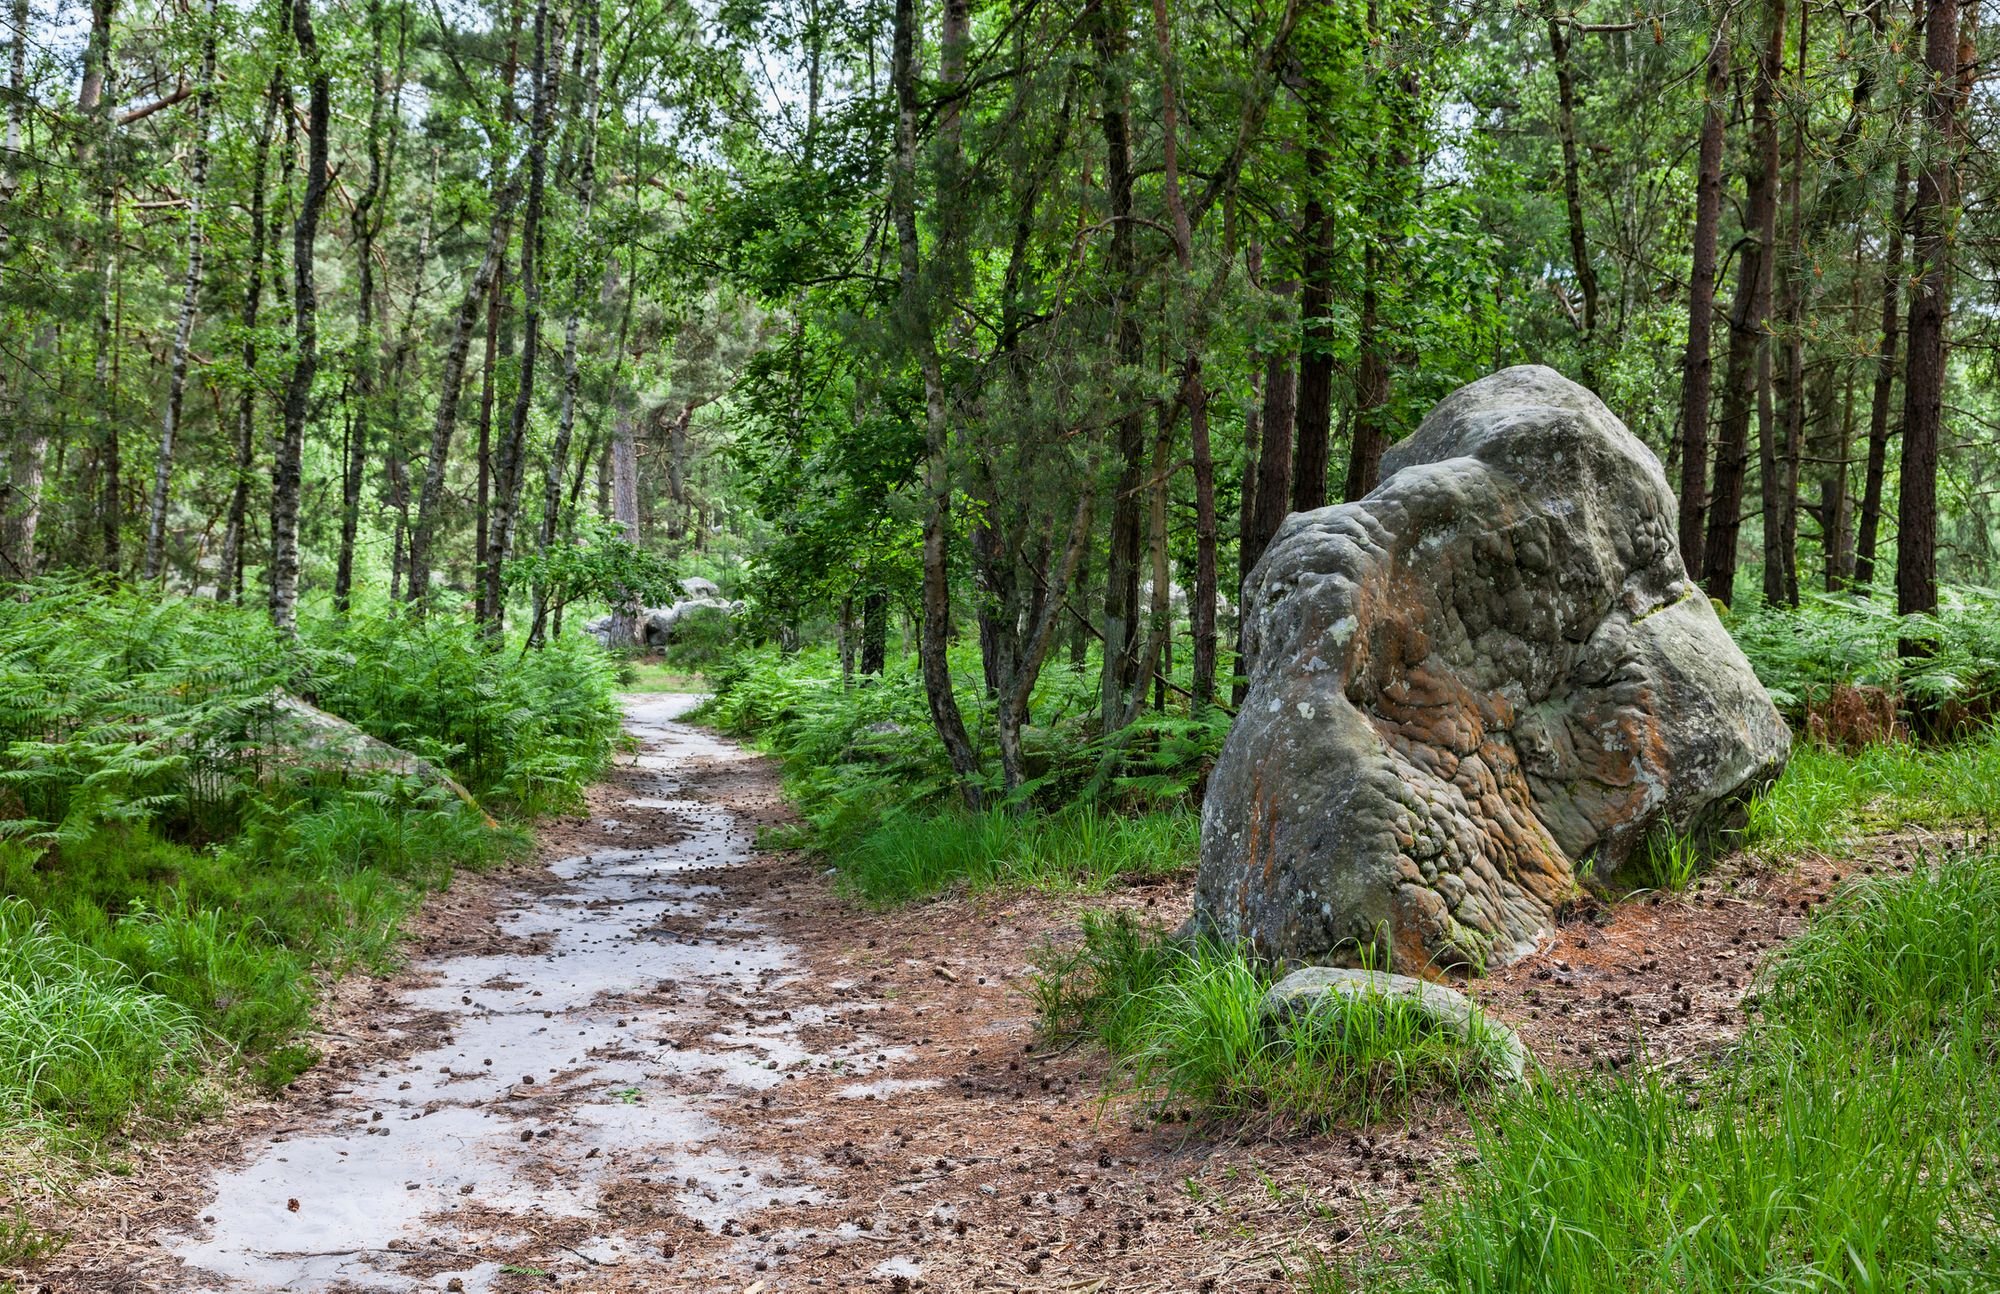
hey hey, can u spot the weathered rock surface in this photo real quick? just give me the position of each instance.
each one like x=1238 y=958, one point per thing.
x=1313 y=988
x=1469 y=683
x=295 y=732
x=656 y=626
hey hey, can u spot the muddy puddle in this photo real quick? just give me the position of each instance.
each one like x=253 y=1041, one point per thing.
x=604 y=1051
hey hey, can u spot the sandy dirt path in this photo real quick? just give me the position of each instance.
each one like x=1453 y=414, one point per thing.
x=659 y=1059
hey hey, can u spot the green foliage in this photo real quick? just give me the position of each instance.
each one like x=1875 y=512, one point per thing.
x=1802 y=654
x=179 y=880
x=1827 y=800
x=1848 y=1145
x=1183 y=1021
x=905 y=856
x=599 y=564
x=864 y=766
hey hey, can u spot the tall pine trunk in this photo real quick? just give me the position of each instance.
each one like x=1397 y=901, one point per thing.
x=1744 y=388
x=177 y=363
x=919 y=335
x=1698 y=364
x=305 y=329
x=1930 y=306
x=511 y=470
x=1869 y=525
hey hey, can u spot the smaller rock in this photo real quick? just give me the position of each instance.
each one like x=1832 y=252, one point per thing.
x=1306 y=989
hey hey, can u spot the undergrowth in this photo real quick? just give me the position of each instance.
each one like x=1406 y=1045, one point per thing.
x=1849 y=1142
x=183 y=865
x=864 y=767
x=1183 y=1021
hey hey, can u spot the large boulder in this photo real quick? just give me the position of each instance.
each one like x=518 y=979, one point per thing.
x=1468 y=687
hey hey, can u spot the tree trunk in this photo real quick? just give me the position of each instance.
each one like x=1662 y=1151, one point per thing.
x=919 y=335
x=1579 y=248
x=513 y=450
x=430 y=500
x=230 y=579
x=586 y=192
x=368 y=218
x=1314 y=424
x=1930 y=307
x=1781 y=485
x=1370 y=436
x=1879 y=432
x=177 y=363
x=305 y=331
x=874 y=632
x=1698 y=365
x=94 y=104
x=28 y=453
x=1274 y=452
x=1743 y=382
x=625 y=512
x=1121 y=588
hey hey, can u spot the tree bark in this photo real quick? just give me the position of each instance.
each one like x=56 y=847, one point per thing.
x=920 y=337
x=1274 y=452
x=1579 y=247
x=430 y=499
x=586 y=193
x=513 y=450
x=1698 y=365
x=229 y=580
x=1930 y=308
x=1313 y=436
x=1743 y=382
x=1880 y=432
x=177 y=363
x=305 y=330
x=369 y=212
x=1121 y=589
x=1780 y=484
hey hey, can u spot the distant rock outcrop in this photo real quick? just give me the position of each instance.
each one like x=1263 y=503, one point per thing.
x=1465 y=687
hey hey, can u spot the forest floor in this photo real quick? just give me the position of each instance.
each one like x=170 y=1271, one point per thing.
x=659 y=1059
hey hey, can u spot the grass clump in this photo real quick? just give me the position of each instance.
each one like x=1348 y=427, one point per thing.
x=1828 y=799
x=1183 y=1020
x=1847 y=1144
x=905 y=857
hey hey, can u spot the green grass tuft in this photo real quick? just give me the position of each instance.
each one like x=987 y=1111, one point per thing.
x=1183 y=1020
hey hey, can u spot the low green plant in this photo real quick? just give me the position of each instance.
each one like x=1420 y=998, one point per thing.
x=1184 y=1021
x=1846 y=1144
x=1827 y=800
x=180 y=879
x=905 y=856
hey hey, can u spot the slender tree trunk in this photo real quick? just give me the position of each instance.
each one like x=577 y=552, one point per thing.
x=1879 y=430
x=1781 y=486
x=1313 y=436
x=1274 y=453
x=230 y=579
x=624 y=458
x=1698 y=365
x=572 y=380
x=430 y=500
x=874 y=632
x=919 y=335
x=29 y=451
x=1579 y=248
x=94 y=104
x=513 y=450
x=1743 y=383
x=1370 y=436
x=1121 y=589
x=305 y=330
x=1930 y=307
x=367 y=224
x=177 y=363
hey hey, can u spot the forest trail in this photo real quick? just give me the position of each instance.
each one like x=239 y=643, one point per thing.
x=659 y=1059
